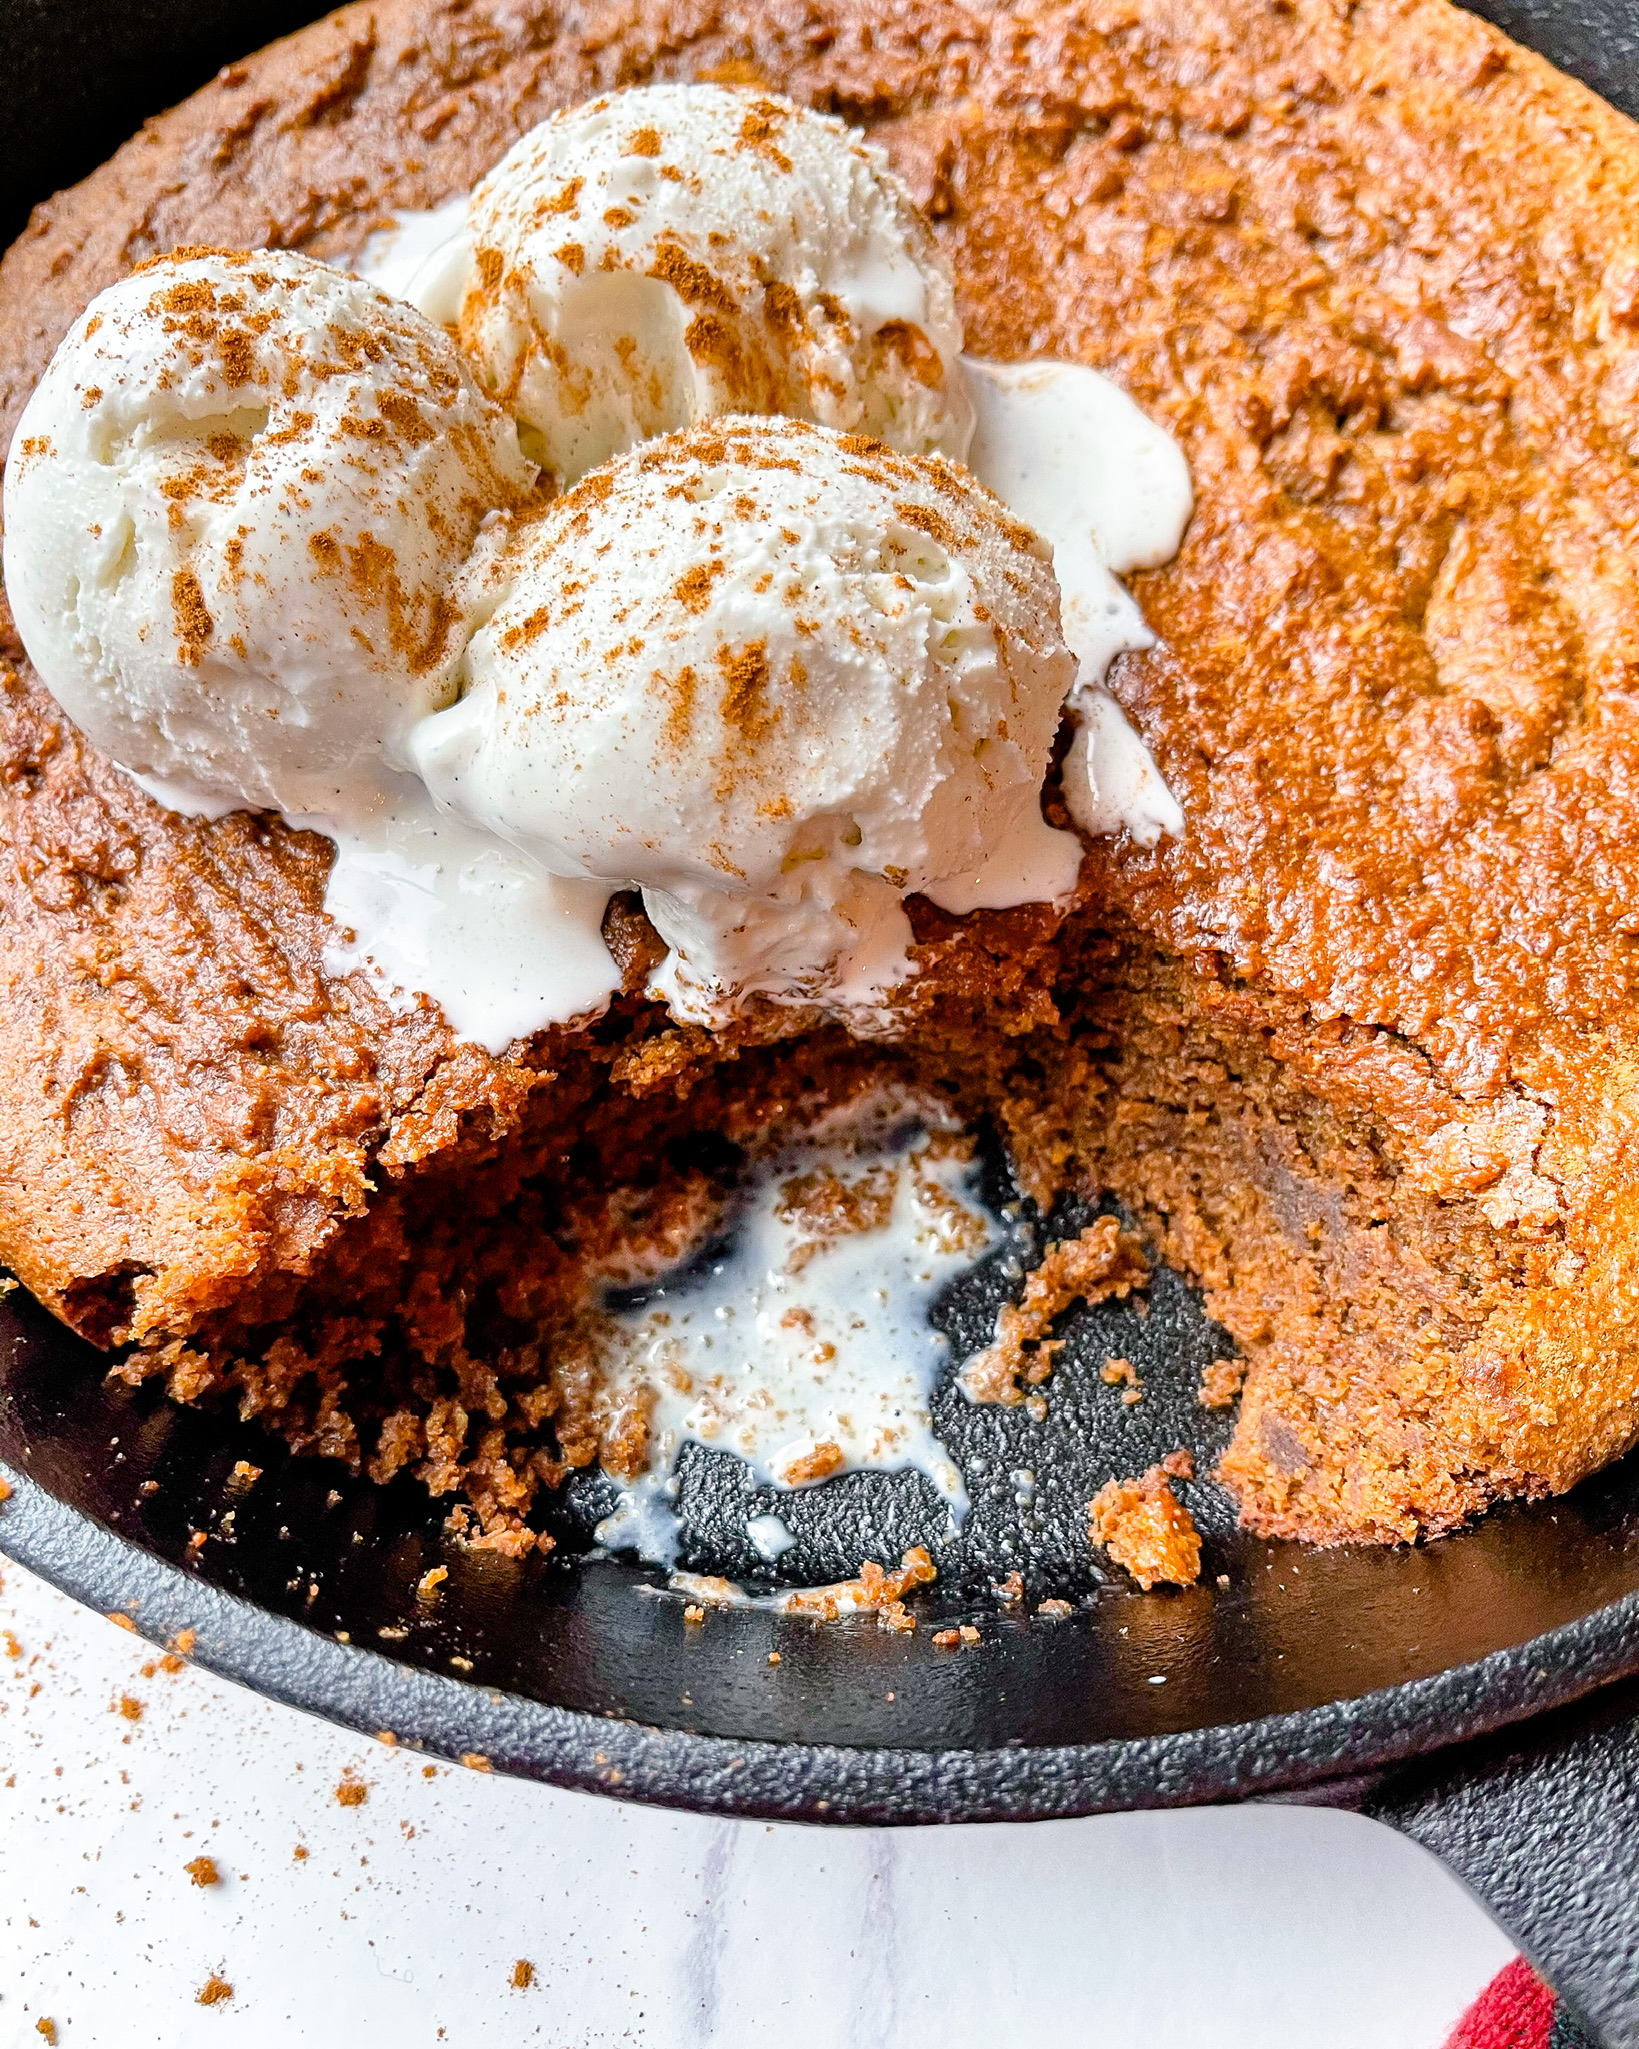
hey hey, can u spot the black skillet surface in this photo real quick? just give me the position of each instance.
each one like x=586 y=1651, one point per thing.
x=1311 y=1675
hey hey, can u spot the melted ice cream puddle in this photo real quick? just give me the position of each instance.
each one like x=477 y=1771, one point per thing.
x=421 y=256
x=804 y=1347
x=411 y=255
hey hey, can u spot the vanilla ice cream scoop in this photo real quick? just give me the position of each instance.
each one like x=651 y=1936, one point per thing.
x=778 y=678
x=678 y=251
x=236 y=507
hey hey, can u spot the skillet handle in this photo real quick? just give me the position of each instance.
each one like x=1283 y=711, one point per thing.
x=1541 y=1822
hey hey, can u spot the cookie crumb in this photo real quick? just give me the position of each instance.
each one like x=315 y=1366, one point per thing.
x=203 y=1871
x=694 y=1612
x=352 y=1792
x=183 y=1642
x=1180 y=1464
x=130 y=1707
x=1010 y=1591
x=773 y=1657
x=213 y=1992
x=523 y=1974
x=1092 y=1268
x=121 y=1621
x=475 y=1761
x=47 y=2027
x=1145 y=1528
x=427 y=1586
x=1220 y=1383
x=1054 y=1608
x=874 y=1588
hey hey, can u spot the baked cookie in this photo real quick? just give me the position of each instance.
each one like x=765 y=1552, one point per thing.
x=1360 y=1052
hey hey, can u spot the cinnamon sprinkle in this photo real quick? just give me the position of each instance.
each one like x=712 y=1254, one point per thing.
x=194 y=624
x=693 y=283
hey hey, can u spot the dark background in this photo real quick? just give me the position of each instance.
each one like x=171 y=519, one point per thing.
x=64 y=115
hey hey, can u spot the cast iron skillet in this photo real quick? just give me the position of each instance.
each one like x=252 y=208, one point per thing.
x=1342 y=1677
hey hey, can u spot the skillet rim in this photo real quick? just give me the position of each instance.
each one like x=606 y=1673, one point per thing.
x=1301 y=1750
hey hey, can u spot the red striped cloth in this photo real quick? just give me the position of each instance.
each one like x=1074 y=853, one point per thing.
x=1517 y=2011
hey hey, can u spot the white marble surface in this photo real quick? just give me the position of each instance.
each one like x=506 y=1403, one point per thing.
x=403 y=1923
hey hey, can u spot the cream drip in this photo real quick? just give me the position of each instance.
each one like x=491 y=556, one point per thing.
x=1076 y=459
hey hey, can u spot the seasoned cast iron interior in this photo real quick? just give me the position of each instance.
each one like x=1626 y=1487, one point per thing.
x=1292 y=1630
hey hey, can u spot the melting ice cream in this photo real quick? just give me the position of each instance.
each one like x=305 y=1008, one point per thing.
x=263 y=524
x=777 y=678
x=677 y=251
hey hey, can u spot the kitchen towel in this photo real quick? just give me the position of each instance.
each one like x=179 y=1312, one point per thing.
x=1517 y=2011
